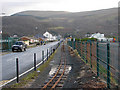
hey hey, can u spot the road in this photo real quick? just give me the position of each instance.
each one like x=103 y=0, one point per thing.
x=25 y=60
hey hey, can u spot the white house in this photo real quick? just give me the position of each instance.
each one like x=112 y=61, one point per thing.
x=49 y=36
x=100 y=37
x=54 y=37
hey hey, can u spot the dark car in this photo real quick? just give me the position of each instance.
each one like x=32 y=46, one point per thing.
x=19 y=46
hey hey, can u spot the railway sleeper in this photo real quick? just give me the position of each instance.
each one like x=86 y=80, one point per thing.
x=60 y=68
x=64 y=76
x=61 y=81
x=60 y=72
x=59 y=85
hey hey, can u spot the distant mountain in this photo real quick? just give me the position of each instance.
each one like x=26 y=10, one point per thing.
x=76 y=24
x=40 y=13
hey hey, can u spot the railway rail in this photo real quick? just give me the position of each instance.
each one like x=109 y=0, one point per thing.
x=58 y=78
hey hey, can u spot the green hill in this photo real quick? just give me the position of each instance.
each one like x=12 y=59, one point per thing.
x=24 y=23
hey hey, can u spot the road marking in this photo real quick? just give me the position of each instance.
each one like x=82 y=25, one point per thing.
x=3 y=84
x=4 y=81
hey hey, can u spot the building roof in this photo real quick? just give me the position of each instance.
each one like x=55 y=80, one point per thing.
x=39 y=36
x=47 y=34
x=97 y=35
x=24 y=38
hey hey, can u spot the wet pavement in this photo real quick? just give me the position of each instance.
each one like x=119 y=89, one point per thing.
x=25 y=60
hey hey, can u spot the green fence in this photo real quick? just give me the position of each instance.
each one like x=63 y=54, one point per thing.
x=101 y=57
x=6 y=43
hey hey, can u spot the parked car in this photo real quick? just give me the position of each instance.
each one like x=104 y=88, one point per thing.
x=19 y=46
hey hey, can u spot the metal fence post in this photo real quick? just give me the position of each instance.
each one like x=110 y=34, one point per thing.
x=83 y=50
x=43 y=56
x=86 y=52
x=90 y=54
x=79 y=48
x=51 y=50
x=17 y=70
x=108 y=66
x=70 y=42
x=97 y=51
x=8 y=44
x=74 y=45
x=34 y=61
x=47 y=54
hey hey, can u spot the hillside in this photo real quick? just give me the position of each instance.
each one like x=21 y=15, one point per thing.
x=40 y=13
x=24 y=23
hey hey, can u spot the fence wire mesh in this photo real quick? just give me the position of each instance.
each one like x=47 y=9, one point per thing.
x=102 y=58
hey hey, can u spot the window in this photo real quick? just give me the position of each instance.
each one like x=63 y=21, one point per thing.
x=46 y=34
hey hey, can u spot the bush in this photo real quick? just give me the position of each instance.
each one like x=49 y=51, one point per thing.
x=87 y=39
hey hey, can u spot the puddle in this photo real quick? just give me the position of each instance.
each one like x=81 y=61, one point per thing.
x=68 y=69
x=54 y=69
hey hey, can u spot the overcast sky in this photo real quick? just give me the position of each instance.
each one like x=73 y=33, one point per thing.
x=13 y=6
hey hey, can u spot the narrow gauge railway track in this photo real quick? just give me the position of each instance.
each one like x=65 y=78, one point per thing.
x=59 y=75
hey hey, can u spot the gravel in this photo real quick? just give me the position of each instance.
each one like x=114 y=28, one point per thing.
x=81 y=76
x=44 y=75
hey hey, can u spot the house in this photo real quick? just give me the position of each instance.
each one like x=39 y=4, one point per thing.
x=15 y=36
x=33 y=40
x=40 y=37
x=87 y=35
x=69 y=38
x=54 y=38
x=59 y=37
x=26 y=40
x=100 y=37
x=49 y=36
